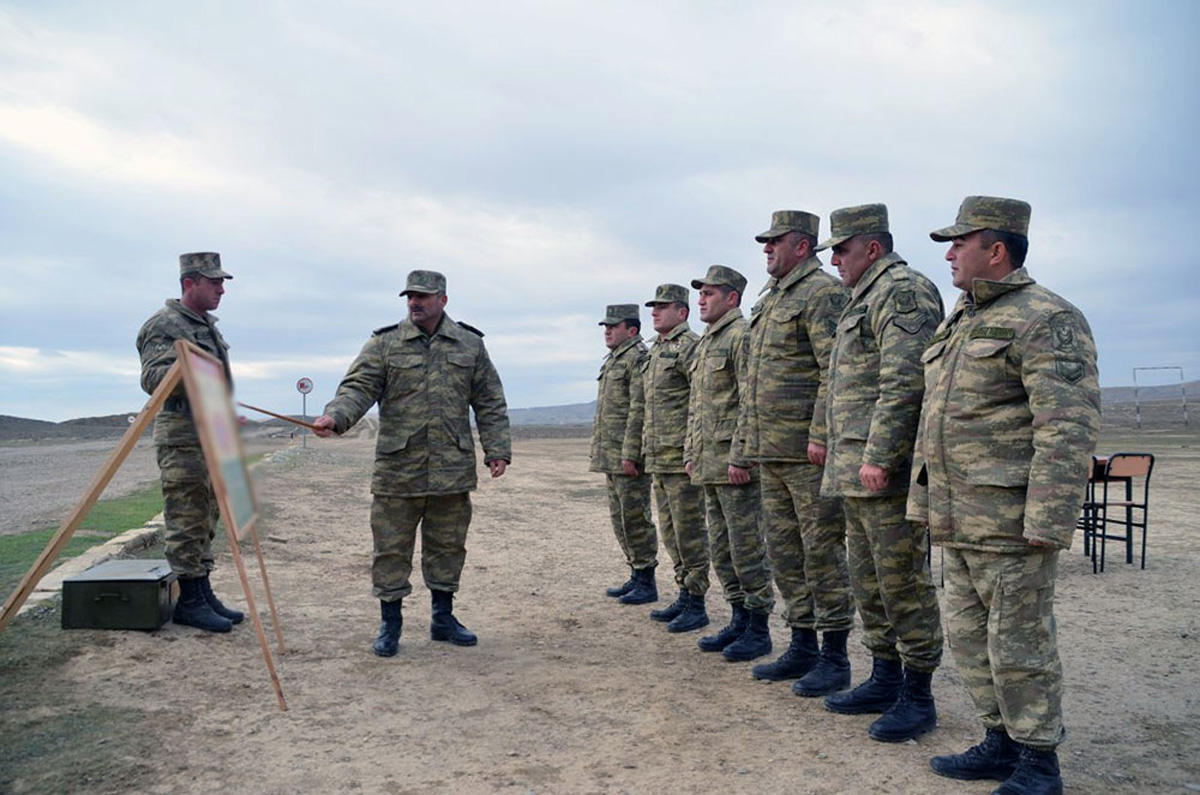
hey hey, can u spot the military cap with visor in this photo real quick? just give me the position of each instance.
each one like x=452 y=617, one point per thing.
x=619 y=313
x=846 y=222
x=987 y=212
x=669 y=294
x=206 y=263
x=721 y=275
x=784 y=221
x=426 y=282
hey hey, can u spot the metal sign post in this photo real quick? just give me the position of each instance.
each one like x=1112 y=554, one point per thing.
x=304 y=386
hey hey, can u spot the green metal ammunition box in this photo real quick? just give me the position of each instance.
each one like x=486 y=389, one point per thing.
x=119 y=594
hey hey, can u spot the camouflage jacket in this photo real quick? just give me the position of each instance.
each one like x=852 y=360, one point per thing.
x=791 y=336
x=617 y=426
x=425 y=386
x=663 y=390
x=714 y=435
x=876 y=379
x=156 y=347
x=1009 y=421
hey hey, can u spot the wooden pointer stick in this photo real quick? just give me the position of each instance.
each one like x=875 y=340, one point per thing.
x=283 y=417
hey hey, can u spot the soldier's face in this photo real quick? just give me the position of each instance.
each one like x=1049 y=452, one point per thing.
x=618 y=333
x=852 y=258
x=425 y=309
x=970 y=260
x=204 y=294
x=667 y=316
x=714 y=304
x=784 y=253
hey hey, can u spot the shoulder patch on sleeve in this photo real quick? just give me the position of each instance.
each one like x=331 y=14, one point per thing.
x=838 y=300
x=470 y=328
x=1062 y=326
x=905 y=301
x=384 y=330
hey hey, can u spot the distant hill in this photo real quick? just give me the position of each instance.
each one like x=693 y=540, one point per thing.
x=570 y=414
x=1124 y=394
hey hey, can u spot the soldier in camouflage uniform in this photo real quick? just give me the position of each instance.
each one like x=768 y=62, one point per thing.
x=664 y=390
x=617 y=452
x=426 y=373
x=190 y=509
x=712 y=457
x=791 y=335
x=875 y=388
x=1009 y=420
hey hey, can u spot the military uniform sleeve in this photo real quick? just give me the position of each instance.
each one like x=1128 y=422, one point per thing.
x=1058 y=371
x=156 y=347
x=740 y=351
x=631 y=443
x=820 y=317
x=362 y=386
x=491 y=410
x=903 y=322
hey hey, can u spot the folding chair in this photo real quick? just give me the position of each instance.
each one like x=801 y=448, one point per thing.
x=1121 y=469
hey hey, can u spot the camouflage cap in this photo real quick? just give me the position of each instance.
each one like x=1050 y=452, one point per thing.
x=617 y=313
x=206 y=263
x=987 y=212
x=669 y=294
x=784 y=221
x=719 y=274
x=845 y=223
x=427 y=282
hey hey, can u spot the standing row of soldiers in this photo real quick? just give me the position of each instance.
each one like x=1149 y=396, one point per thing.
x=781 y=447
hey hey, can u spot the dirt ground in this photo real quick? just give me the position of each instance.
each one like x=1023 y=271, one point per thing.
x=567 y=691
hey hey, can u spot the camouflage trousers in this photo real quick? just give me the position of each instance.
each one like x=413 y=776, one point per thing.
x=190 y=510
x=629 y=506
x=680 y=506
x=1000 y=626
x=443 y=519
x=890 y=575
x=806 y=543
x=736 y=544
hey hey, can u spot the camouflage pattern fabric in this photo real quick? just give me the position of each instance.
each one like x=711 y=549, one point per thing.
x=629 y=508
x=1009 y=421
x=190 y=510
x=736 y=545
x=1000 y=626
x=791 y=336
x=156 y=347
x=443 y=519
x=713 y=439
x=806 y=545
x=889 y=571
x=663 y=398
x=616 y=429
x=425 y=386
x=987 y=212
x=681 y=526
x=876 y=377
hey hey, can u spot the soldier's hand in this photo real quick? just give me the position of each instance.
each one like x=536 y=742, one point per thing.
x=687 y=467
x=873 y=477
x=738 y=476
x=323 y=426
x=1037 y=542
x=630 y=468
x=816 y=454
x=497 y=467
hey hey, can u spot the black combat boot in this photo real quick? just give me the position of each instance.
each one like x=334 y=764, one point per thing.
x=671 y=611
x=645 y=589
x=444 y=625
x=754 y=642
x=995 y=758
x=1036 y=774
x=795 y=662
x=876 y=694
x=912 y=714
x=387 y=642
x=192 y=609
x=832 y=671
x=623 y=588
x=693 y=615
x=729 y=633
x=234 y=616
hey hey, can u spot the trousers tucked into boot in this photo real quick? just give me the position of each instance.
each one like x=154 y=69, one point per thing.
x=729 y=633
x=234 y=616
x=387 y=642
x=911 y=715
x=832 y=671
x=193 y=610
x=693 y=616
x=995 y=758
x=644 y=589
x=1036 y=774
x=622 y=589
x=444 y=625
x=755 y=640
x=876 y=694
x=795 y=662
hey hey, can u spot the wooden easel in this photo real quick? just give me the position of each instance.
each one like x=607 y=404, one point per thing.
x=196 y=369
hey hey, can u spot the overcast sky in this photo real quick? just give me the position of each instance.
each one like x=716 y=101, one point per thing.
x=554 y=157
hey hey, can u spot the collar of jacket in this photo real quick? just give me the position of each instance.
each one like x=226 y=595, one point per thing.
x=682 y=328
x=723 y=321
x=175 y=304
x=985 y=290
x=874 y=272
x=799 y=272
x=446 y=328
x=624 y=346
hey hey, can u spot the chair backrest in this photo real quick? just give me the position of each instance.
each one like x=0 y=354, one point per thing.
x=1129 y=465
